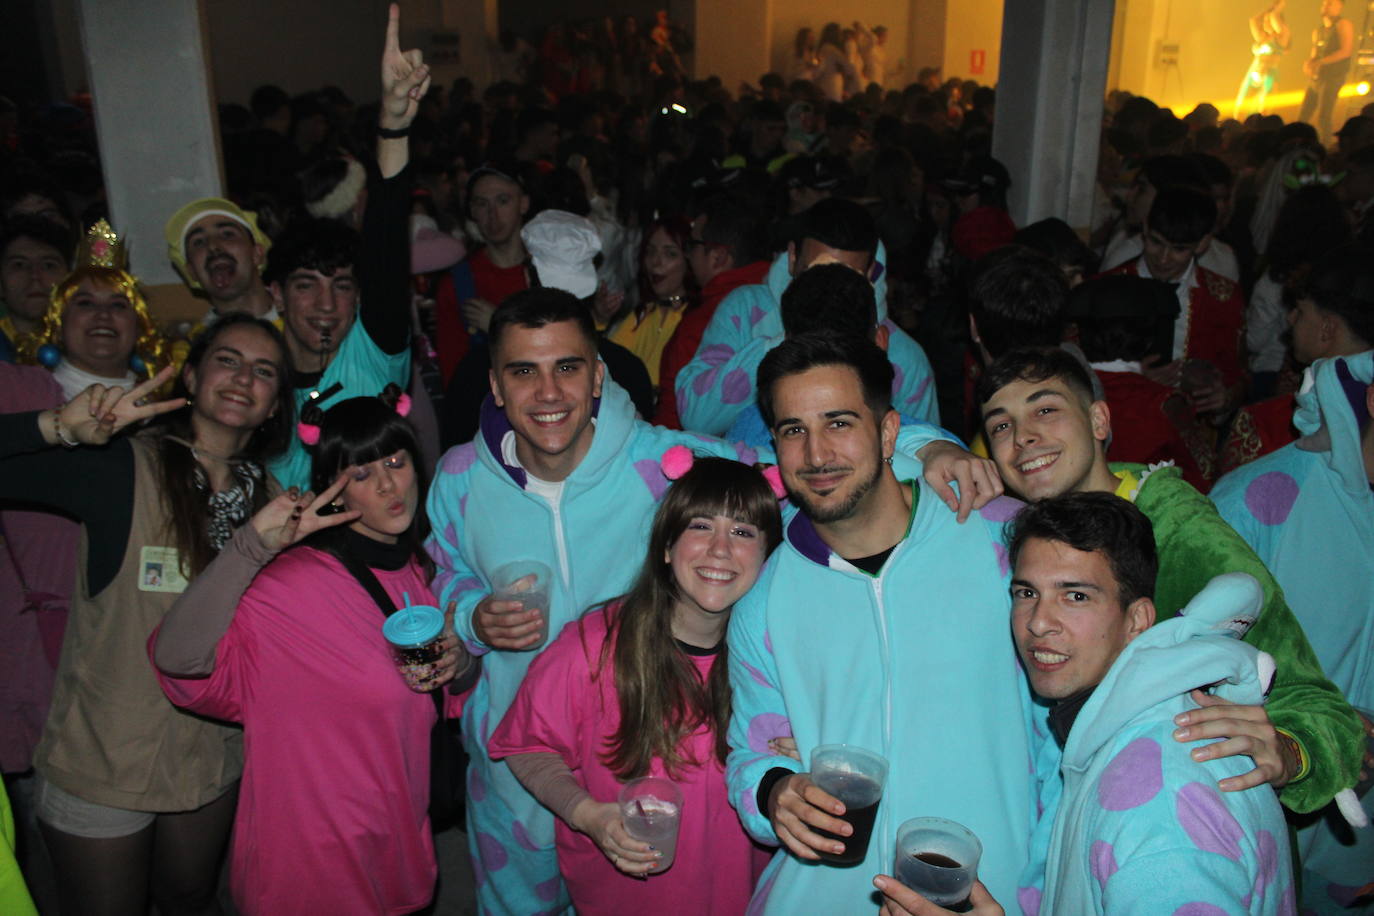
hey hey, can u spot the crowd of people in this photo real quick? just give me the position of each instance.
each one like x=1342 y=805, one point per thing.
x=814 y=446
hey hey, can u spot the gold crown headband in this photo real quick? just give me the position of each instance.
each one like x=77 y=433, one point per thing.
x=102 y=247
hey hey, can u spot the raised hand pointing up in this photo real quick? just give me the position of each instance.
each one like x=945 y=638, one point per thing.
x=405 y=77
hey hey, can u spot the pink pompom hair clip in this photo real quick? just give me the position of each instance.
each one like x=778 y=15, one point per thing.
x=309 y=433
x=678 y=460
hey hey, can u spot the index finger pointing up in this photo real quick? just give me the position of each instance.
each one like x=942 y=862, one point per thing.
x=393 y=28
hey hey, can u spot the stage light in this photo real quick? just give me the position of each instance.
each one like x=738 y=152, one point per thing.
x=1362 y=88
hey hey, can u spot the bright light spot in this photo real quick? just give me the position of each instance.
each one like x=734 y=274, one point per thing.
x=680 y=110
x=1362 y=88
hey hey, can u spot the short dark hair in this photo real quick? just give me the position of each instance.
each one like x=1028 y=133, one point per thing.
x=1182 y=215
x=359 y=431
x=537 y=307
x=268 y=100
x=326 y=245
x=840 y=224
x=1173 y=171
x=40 y=229
x=1056 y=240
x=1018 y=298
x=1342 y=283
x=1120 y=316
x=1035 y=364
x=531 y=119
x=1215 y=171
x=829 y=299
x=734 y=225
x=799 y=354
x=1095 y=523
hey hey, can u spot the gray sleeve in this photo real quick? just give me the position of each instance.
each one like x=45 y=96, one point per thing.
x=192 y=629
x=548 y=779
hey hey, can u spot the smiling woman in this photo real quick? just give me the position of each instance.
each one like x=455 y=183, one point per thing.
x=97 y=328
x=640 y=688
x=118 y=766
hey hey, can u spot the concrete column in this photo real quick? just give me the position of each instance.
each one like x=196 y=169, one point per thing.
x=733 y=40
x=1053 y=77
x=154 y=116
x=926 y=37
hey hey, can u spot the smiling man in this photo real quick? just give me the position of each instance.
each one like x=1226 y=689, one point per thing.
x=1048 y=437
x=573 y=476
x=221 y=252
x=1125 y=806
x=880 y=622
x=1210 y=326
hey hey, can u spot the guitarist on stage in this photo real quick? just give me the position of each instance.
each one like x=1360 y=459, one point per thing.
x=1272 y=38
x=1332 y=45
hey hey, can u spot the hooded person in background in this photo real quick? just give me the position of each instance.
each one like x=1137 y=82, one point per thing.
x=1308 y=511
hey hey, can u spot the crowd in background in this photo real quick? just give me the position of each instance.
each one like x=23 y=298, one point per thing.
x=594 y=165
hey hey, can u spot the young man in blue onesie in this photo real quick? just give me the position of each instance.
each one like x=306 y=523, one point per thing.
x=1138 y=825
x=1308 y=511
x=718 y=383
x=880 y=622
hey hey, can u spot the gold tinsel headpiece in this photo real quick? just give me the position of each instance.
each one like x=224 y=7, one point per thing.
x=101 y=247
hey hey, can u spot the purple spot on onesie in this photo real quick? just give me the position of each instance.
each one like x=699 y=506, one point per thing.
x=736 y=387
x=1001 y=509
x=1206 y=820
x=749 y=803
x=768 y=641
x=522 y=837
x=491 y=852
x=1267 y=851
x=477 y=788
x=716 y=354
x=1029 y=898
x=652 y=475
x=548 y=890
x=898 y=379
x=764 y=726
x=760 y=898
x=1270 y=497
x=755 y=314
x=459 y=458
x=702 y=383
x=921 y=390
x=1102 y=861
x=756 y=674
x=1199 y=909
x=734 y=319
x=1133 y=777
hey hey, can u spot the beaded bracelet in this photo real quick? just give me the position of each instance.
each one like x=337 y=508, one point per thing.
x=61 y=431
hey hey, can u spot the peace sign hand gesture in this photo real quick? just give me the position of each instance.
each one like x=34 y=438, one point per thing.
x=294 y=516
x=96 y=414
x=405 y=77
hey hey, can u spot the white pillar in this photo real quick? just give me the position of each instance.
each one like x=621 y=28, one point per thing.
x=1050 y=90
x=154 y=117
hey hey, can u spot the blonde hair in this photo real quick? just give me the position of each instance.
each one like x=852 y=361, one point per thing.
x=150 y=346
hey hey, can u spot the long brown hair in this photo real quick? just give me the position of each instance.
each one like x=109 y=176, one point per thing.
x=662 y=697
x=187 y=506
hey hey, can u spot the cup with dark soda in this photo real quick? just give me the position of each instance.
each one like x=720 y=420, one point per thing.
x=856 y=777
x=938 y=859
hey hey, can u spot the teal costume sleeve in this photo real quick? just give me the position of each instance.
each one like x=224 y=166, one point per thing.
x=454 y=579
x=758 y=713
x=1195 y=544
x=719 y=381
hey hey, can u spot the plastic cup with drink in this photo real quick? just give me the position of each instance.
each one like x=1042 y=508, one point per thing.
x=938 y=859
x=525 y=581
x=415 y=634
x=651 y=808
x=856 y=777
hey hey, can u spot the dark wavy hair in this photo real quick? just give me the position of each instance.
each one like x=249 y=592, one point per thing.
x=187 y=506
x=1092 y=523
x=662 y=698
x=679 y=232
x=359 y=431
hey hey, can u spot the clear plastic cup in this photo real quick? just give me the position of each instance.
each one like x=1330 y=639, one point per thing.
x=652 y=810
x=855 y=776
x=938 y=859
x=526 y=581
x=415 y=633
